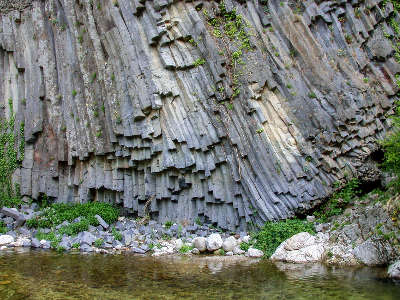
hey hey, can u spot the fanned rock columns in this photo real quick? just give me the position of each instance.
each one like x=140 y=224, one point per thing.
x=150 y=104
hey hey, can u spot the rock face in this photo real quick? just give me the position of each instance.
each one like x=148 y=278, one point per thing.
x=173 y=109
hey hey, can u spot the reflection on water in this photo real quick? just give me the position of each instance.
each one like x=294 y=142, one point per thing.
x=47 y=275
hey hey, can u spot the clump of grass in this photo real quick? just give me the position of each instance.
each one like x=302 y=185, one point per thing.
x=198 y=62
x=116 y=234
x=168 y=224
x=186 y=248
x=98 y=243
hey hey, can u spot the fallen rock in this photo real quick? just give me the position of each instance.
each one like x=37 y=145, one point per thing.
x=15 y=214
x=195 y=251
x=370 y=253
x=6 y=239
x=213 y=242
x=200 y=243
x=178 y=244
x=229 y=244
x=238 y=251
x=102 y=222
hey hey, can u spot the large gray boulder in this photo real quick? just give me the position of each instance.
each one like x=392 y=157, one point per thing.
x=15 y=214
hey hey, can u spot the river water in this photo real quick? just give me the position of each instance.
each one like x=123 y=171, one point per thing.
x=48 y=275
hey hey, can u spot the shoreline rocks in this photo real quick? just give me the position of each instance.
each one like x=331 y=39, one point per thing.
x=126 y=235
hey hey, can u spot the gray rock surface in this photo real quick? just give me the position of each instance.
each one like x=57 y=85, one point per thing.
x=394 y=270
x=140 y=104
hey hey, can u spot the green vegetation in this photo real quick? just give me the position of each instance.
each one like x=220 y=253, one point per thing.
x=245 y=246
x=57 y=213
x=98 y=243
x=3 y=228
x=116 y=234
x=75 y=245
x=312 y=95
x=168 y=224
x=186 y=248
x=220 y=252
x=260 y=130
x=198 y=62
x=231 y=28
x=274 y=233
x=9 y=160
x=74 y=93
x=339 y=200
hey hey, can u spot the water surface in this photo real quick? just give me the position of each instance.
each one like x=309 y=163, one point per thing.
x=47 y=275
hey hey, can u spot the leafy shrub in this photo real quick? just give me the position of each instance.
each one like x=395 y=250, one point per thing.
x=168 y=224
x=274 y=233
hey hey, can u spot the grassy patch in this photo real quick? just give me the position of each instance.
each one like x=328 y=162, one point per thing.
x=58 y=213
x=274 y=233
x=116 y=234
x=3 y=228
x=185 y=249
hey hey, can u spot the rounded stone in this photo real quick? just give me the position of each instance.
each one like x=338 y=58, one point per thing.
x=214 y=242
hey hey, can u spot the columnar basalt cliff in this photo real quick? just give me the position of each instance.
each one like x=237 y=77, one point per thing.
x=236 y=112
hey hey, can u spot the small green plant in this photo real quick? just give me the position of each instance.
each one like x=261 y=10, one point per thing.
x=348 y=38
x=115 y=3
x=260 y=130
x=74 y=93
x=198 y=62
x=168 y=224
x=116 y=234
x=75 y=245
x=365 y=79
x=274 y=233
x=98 y=243
x=3 y=228
x=312 y=95
x=220 y=252
x=98 y=133
x=198 y=221
x=93 y=77
x=186 y=248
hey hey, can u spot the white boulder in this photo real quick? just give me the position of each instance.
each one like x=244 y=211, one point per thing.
x=229 y=244
x=253 y=252
x=300 y=248
x=6 y=239
x=213 y=242
x=200 y=243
